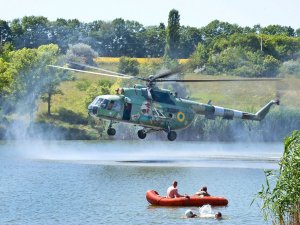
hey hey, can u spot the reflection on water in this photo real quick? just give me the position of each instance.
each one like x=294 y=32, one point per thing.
x=105 y=183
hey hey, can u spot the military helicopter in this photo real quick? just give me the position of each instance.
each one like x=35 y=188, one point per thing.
x=157 y=109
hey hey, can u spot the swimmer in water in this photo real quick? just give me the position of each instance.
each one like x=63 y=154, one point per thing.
x=190 y=214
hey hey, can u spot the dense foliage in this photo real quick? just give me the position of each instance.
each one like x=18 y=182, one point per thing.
x=282 y=202
x=25 y=78
x=129 y=38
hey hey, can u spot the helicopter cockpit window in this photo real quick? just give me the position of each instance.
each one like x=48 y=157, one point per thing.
x=162 y=97
x=110 y=105
x=95 y=101
x=98 y=102
x=146 y=93
x=104 y=104
x=116 y=106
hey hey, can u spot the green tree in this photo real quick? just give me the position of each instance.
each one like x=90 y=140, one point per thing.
x=218 y=29
x=126 y=40
x=5 y=32
x=271 y=66
x=279 y=30
x=189 y=39
x=51 y=78
x=6 y=79
x=67 y=32
x=155 y=39
x=199 y=58
x=32 y=77
x=297 y=32
x=5 y=49
x=35 y=31
x=172 y=36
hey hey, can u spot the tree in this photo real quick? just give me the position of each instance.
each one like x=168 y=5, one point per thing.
x=81 y=53
x=125 y=40
x=271 y=66
x=6 y=79
x=32 y=77
x=154 y=39
x=199 y=57
x=36 y=31
x=189 y=39
x=298 y=32
x=5 y=49
x=218 y=29
x=51 y=78
x=279 y=30
x=5 y=32
x=172 y=36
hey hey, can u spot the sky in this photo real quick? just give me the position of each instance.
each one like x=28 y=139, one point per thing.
x=196 y=13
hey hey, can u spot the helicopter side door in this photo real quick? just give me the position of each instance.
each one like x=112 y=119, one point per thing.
x=127 y=111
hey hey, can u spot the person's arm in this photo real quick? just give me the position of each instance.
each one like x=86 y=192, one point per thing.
x=177 y=195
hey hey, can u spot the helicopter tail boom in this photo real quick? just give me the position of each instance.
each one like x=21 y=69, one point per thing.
x=260 y=115
x=211 y=111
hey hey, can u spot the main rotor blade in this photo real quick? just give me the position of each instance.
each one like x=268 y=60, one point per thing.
x=90 y=72
x=220 y=80
x=100 y=69
x=166 y=74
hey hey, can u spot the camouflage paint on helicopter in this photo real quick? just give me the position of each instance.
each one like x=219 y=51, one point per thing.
x=161 y=110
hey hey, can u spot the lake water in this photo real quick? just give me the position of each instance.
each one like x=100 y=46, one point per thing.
x=76 y=182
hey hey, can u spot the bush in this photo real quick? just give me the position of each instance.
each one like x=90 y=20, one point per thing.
x=282 y=203
x=81 y=53
x=128 y=66
x=83 y=85
x=291 y=67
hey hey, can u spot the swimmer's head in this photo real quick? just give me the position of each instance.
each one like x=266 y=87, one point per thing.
x=189 y=213
x=218 y=215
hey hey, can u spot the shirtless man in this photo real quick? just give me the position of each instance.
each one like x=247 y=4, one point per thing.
x=172 y=191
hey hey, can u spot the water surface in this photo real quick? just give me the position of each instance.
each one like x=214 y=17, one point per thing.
x=75 y=182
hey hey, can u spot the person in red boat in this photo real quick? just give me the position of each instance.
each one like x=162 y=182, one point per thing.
x=202 y=192
x=172 y=191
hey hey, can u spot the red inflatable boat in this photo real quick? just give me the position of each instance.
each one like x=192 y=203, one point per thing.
x=155 y=199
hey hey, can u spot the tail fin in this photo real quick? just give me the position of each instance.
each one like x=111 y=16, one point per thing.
x=260 y=115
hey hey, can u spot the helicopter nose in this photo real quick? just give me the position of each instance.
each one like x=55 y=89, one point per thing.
x=93 y=109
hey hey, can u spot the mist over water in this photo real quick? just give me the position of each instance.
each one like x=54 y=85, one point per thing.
x=146 y=153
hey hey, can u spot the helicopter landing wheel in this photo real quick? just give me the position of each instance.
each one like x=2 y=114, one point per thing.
x=172 y=135
x=111 y=131
x=142 y=134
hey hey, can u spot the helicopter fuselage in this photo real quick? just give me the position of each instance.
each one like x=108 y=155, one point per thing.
x=157 y=108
